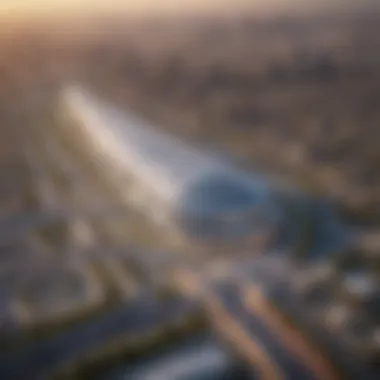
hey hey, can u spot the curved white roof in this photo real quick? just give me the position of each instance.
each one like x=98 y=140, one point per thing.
x=163 y=162
x=188 y=184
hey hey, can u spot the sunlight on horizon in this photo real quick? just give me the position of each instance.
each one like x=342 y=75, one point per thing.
x=35 y=7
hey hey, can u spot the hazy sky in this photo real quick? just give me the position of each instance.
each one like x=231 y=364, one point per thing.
x=14 y=7
x=159 y=5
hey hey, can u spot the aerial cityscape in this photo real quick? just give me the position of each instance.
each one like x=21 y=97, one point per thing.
x=190 y=196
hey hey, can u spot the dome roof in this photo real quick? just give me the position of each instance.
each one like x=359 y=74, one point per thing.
x=220 y=192
x=225 y=204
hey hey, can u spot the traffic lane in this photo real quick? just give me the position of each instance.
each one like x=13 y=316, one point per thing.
x=286 y=365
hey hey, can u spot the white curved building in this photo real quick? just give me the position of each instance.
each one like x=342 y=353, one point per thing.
x=178 y=186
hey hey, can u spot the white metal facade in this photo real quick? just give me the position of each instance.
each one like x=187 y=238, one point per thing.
x=158 y=169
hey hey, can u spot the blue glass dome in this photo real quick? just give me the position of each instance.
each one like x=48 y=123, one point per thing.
x=225 y=205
